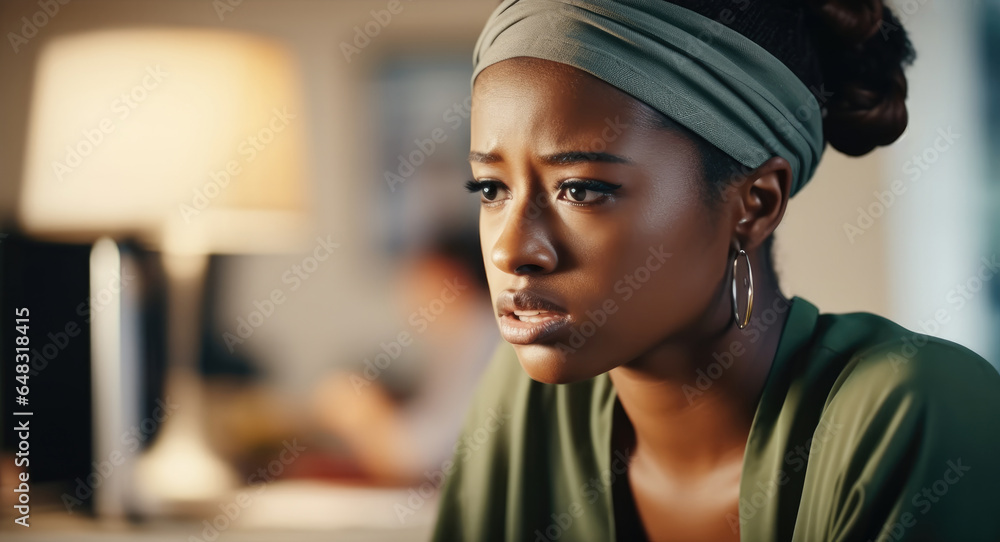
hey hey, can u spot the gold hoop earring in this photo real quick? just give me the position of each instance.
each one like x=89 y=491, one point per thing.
x=748 y=284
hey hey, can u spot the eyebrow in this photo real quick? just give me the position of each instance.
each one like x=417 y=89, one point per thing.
x=557 y=159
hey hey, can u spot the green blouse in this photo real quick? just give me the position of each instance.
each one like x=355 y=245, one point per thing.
x=865 y=431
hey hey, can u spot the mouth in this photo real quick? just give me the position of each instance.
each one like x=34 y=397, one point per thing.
x=533 y=317
x=526 y=317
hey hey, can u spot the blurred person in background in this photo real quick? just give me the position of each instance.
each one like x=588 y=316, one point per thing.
x=400 y=425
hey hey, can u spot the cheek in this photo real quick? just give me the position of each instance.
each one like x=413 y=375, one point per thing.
x=631 y=277
x=681 y=289
x=664 y=246
x=671 y=284
x=487 y=236
x=659 y=271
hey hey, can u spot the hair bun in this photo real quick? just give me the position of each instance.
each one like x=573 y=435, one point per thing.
x=852 y=21
x=862 y=50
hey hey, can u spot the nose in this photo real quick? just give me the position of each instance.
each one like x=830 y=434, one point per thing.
x=525 y=245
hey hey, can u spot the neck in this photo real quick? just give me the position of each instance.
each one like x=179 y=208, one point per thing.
x=691 y=404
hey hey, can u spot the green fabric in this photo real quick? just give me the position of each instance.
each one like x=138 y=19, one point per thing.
x=903 y=429
x=694 y=70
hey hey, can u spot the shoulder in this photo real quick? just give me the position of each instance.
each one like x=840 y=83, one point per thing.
x=883 y=361
x=907 y=440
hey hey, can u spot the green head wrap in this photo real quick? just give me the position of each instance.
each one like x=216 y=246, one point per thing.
x=696 y=71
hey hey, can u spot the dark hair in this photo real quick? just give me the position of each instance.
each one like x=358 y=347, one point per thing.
x=849 y=53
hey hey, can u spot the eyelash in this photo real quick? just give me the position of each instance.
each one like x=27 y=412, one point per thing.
x=600 y=187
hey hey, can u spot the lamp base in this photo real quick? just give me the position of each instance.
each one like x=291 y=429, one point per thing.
x=180 y=475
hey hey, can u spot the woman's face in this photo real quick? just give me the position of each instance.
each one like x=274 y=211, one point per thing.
x=594 y=216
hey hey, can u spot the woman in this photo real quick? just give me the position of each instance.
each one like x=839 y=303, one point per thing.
x=633 y=159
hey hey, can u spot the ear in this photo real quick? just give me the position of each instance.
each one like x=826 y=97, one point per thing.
x=761 y=201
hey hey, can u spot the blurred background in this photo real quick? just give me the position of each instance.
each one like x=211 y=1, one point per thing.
x=216 y=355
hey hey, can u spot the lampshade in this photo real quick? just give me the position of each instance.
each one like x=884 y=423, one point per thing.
x=191 y=140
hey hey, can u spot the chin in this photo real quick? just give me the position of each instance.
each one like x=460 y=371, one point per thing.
x=551 y=365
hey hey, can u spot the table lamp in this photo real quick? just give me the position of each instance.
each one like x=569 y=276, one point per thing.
x=190 y=141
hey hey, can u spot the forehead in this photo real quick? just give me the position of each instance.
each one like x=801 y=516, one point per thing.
x=552 y=101
x=540 y=107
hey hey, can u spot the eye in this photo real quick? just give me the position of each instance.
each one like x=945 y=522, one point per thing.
x=586 y=191
x=490 y=190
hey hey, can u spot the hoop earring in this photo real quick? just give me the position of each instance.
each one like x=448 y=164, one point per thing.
x=748 y=284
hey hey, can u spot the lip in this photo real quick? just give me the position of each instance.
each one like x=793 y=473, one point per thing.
x=551 y=318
